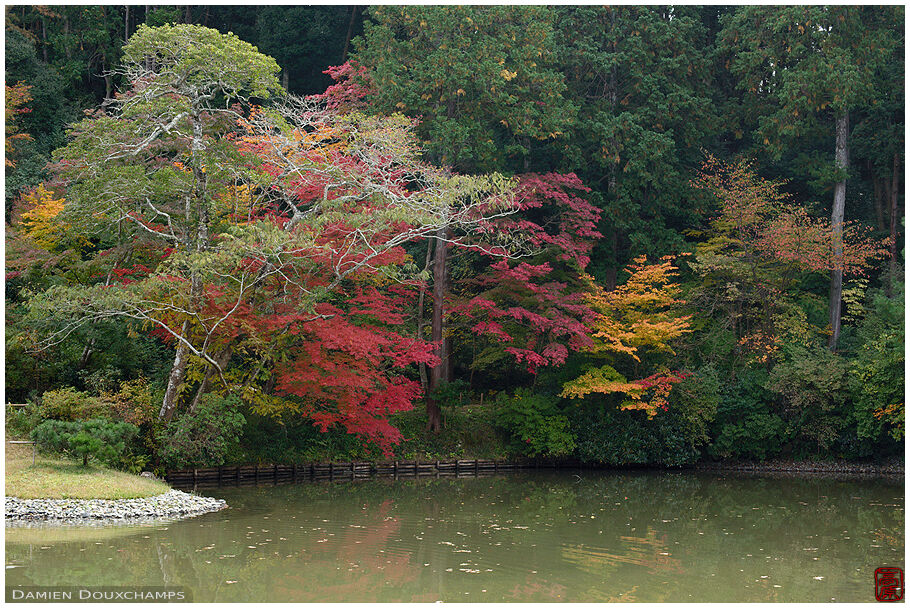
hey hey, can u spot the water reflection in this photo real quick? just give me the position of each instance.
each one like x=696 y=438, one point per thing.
x=524 y=537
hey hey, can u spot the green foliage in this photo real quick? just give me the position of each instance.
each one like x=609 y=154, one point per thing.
x=451 y=394
x=482 y=79
x=198 y=61
x=607 y=435
x=534 y=424
x=674 y=437
x=290 y=438
x=877 y=379
x=48 y=111
x=21 y=421
x=96 y=438
x=68 y=404
x=133 y=402
x=832 y=56
x=468 y=431
x=745 y=426
x=202 y=438
x=694 y=402
x=755 y=436
x=811 y=385
x=641 y=79
x=304 y=40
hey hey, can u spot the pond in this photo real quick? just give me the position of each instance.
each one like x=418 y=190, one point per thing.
x=530 y=537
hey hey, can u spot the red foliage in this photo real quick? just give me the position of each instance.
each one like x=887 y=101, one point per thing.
x=659 y=386
x=353 y=84
x=345 y=365
x=539 y=309
x=769 y=227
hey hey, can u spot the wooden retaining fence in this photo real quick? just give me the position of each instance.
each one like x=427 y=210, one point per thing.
x=330 y=471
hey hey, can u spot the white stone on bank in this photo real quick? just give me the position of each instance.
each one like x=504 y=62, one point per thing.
x=171 y=504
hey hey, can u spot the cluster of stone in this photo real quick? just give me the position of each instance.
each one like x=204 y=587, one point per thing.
x=171 y=504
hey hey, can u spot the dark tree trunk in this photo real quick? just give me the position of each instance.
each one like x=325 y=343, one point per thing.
x=439 y=375
x=422 y=367
x=68 y=49
x=895 y=190
x=842 y=161
x=350 y=34
x=878 y=194
x=44 y=39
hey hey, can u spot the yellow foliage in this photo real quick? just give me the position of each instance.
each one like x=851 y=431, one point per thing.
x=602 y=380
x=40 y=221
x=636 y=316
x=639 y=313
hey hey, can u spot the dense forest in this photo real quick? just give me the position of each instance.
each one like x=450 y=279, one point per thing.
x=629 y=235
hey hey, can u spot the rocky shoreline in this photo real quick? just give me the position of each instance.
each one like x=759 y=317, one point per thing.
x=895 y=467
x=173 y=504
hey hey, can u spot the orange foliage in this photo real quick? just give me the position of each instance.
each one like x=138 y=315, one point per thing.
x=639 y=314
x=635 y=318
x=16 y=96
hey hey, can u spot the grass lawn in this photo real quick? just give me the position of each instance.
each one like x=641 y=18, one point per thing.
x=57 y=477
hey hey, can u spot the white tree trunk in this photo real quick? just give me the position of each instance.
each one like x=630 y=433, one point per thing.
x=842 y=161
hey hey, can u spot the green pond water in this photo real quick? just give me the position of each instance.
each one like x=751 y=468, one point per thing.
x=525 y=537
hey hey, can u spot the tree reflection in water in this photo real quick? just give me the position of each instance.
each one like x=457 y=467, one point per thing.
x=602 y=536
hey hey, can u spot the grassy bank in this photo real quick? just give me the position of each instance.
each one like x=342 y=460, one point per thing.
x=56 y=477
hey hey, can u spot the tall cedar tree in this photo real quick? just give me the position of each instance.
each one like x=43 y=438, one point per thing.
x=800 y=66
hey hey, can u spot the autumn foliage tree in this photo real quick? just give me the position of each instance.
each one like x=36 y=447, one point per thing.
x=16 y=97
x=532 y=311
x=635 y=326
x=284 y=228
x=760 y=247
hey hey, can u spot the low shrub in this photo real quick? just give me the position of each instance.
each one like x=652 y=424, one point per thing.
x=133 y=402
x=96 y=438
x=608 y=435
x=534 y=424
x=468 y=431
x=451 y=394
x=70 y=404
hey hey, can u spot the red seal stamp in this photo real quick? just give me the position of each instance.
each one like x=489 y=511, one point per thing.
x=889 y=584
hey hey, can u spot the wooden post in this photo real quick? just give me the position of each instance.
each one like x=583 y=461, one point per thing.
x=331 y=471
x=219 y=476
x=275 y=473
x=353 y=474
x=257 y=473
x=476 y=466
